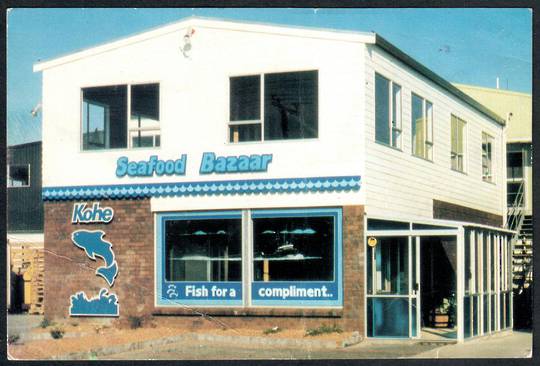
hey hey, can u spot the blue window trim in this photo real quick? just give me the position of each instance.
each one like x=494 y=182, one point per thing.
x=337 y=214
x=162 y=218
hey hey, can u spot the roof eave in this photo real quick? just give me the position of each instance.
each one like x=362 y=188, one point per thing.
x=417 y=66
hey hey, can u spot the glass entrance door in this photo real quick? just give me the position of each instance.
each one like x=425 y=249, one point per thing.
x=393 y=287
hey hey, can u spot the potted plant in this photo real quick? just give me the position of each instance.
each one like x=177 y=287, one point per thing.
x=441 y=317
x=444 y=314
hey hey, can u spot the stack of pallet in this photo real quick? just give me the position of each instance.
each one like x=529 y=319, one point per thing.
x=21 y=257
x=28 y=260
x=37 y=283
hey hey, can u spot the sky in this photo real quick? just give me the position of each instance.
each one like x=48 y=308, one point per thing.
x=468 y=46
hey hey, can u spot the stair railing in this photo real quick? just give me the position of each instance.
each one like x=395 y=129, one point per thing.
x=514 y=221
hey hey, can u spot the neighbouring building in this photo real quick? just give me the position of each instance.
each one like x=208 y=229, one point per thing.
x=517 y=108
x=272 y=175
x=24 y=228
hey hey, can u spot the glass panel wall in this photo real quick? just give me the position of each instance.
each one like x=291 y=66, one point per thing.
x=487 y=287
x=388 y=289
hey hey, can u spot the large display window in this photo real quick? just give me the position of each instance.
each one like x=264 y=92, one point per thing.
x=199 y=258
x=251 y=258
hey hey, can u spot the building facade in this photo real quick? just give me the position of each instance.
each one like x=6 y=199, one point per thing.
x=239 y=171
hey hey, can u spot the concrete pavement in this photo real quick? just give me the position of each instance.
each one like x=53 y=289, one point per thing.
x=509 y=344
x=504 y=345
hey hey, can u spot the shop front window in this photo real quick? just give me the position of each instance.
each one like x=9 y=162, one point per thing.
x=199 y=258
x=293 y=249
x=203 y=250
x=281 y=257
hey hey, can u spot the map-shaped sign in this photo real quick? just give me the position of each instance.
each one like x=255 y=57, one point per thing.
x=94 y=246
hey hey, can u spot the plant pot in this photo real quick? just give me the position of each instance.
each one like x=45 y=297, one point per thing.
x=441 y=320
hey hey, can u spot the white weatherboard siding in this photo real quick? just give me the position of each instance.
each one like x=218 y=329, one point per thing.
x=194 y=111
x=400 y=184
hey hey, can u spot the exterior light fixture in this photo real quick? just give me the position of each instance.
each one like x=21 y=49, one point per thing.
x=187 y=42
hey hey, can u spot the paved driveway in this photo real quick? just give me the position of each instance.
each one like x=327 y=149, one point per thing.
x=506 y=345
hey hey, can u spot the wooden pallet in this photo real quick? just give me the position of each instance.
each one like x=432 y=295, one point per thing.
x=29 y=261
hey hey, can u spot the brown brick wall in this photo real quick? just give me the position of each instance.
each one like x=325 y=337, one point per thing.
x=449 y=211
x=132 y=235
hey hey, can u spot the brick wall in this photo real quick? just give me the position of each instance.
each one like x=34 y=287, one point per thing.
x=449 y=211
x=132 y=235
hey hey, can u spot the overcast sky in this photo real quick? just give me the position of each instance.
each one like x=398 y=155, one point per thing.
x=470 y=46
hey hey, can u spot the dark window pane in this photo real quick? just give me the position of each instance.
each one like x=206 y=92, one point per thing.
x=104 y=119
x=242 y=133
x=143 y=141
x=391 y=266
x=203 y=250
x=467 y=316
x=291 y=105
x=513 y=194
x=514 y=163
x=376 y=224
x=245 y=98
x=19 y=176
x=486 y=313
x=145 y=101
x=293 y=249
x=382 y=108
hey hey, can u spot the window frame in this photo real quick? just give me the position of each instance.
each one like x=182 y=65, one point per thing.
x=337 y=281
x=29 y=176
x=160 y=262
x=398 y=126
x=427 y=130
x=262 y=109
x=458 y=120
x=128 y=117
x=489 y=139
x=247 y=283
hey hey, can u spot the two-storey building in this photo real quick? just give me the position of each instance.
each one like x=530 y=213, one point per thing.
x=273 y=176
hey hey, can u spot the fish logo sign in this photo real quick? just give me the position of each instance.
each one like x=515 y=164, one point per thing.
x=103 y=304
x=95 y=246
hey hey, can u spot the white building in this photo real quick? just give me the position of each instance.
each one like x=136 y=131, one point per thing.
x=255 y=169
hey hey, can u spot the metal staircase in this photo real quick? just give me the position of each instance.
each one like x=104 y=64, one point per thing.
x=522 y=243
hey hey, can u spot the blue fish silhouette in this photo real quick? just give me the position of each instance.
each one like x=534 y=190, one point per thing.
x=94 y=246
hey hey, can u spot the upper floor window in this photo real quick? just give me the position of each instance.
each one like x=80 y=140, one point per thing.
x=387 y=112
x=18 y=175
x=457 y=149
x=487 y=148
x=105 y=122
x=276 y=106
x=422 y=127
